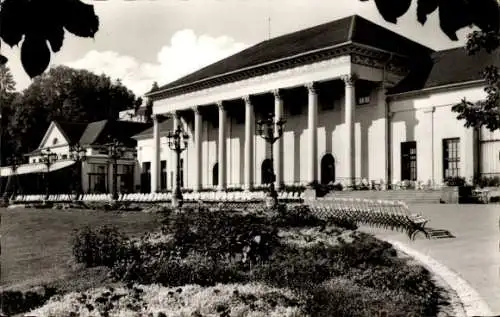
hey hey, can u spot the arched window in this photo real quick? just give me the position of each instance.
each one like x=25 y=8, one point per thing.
x=266 y=171
x=327 y=169
x=215 y=174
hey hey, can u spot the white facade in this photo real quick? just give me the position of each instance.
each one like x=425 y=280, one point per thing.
x=341 y=124
x=96 y=161
x=424 y=117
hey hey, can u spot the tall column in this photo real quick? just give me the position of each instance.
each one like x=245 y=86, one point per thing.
x=222 y=146
x=278 y=146
x=349 y=107
x=155 y=164
x=312 y=122
x=176 y=123
x=249 y=141
x=197 y=147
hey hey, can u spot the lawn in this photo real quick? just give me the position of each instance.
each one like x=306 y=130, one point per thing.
x=36 y=244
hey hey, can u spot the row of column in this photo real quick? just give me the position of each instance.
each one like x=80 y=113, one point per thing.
x=249 y=140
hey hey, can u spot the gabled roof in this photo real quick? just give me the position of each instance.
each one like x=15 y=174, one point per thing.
x=448 y=67
x=352 y=29
x=99 y=132
x=72 y=131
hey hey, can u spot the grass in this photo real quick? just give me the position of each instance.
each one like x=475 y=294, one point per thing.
x=36 y=244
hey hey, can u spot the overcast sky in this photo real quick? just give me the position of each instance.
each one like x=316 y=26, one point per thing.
x=143 y=41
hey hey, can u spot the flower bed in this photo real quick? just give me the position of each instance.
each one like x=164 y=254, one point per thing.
x=315 y=268
x=192 y=300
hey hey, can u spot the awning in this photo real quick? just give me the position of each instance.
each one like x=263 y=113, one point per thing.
x=35 y=168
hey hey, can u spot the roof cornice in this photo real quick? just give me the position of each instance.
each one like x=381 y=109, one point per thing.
x=412 y=93
x=304 y=58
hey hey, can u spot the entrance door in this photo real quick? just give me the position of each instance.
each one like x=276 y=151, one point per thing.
x=327 y=169
x=409 y=161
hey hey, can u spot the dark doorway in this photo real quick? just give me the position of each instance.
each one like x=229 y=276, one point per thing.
x=215 y=174
x=327 y=169
x=409 y=161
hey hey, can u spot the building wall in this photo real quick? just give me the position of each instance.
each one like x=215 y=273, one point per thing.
x=427 y=119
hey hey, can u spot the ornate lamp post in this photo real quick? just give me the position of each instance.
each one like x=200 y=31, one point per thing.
x=115 y=151
x=177 y=141
x=78 y=154
x=271 y=131
x=48 y=158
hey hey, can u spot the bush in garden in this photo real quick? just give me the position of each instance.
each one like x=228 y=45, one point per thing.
x=16 y=302
x=341 y=297
x=223 y=234
x=103 y=246
x=366 y=249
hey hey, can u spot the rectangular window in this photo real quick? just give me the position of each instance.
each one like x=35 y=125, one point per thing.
x=409 y=161
x=363 y=93
x=451 y=157
x=163 y=175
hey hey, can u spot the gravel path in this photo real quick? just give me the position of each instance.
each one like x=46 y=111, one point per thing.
x=469 y=302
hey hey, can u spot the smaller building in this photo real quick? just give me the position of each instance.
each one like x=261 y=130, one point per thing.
x=133 y=116
x=95 y=172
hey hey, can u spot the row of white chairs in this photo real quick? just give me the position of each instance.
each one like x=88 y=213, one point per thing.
x=213 y=196
x=27 y=198
x=96 y=197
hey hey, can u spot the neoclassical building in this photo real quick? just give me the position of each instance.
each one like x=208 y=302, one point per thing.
x=360 y=102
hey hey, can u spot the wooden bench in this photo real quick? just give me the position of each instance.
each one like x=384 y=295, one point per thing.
x=385 y=213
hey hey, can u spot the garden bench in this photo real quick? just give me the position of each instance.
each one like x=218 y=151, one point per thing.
x=385 y=213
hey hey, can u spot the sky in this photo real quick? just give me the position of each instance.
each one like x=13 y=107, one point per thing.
x=142 y=41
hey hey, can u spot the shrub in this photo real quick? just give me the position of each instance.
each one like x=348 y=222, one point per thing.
x=455 y=181
x=296 y=216
x=300 y=269
x=103 y=246
x=16 y=302
x=366 y=249
x=223 y=234
x=342 y=297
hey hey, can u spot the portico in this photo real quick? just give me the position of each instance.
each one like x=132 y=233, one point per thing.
x=330 y=87
x=250 y=160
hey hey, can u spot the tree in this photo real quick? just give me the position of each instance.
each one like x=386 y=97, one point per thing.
x=40 y=23
x=65 y=94
x=453 y=16
x=7 y=82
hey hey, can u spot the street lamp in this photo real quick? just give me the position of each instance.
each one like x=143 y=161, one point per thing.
x=177 y=141
x=115 y=151
x=271 y=131
x=48 y=158
x=78 y=154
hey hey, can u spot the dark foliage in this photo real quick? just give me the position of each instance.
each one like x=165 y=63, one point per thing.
x=66 y=95
x=43 y=22
x=103 y=246
x=349 y=279
x=15 y=302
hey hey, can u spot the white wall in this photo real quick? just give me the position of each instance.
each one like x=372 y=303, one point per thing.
x=427 y=119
